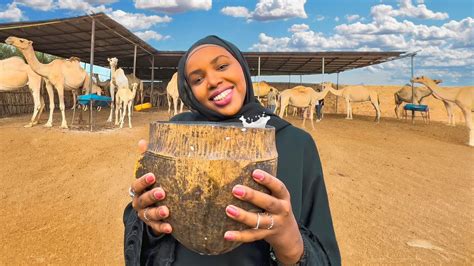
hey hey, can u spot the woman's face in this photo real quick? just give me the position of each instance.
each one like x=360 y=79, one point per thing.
x=217 y=80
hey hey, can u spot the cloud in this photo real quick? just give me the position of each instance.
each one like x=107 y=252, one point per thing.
x=151 y=35
x=81 y=5
x=407 y=9
x=174 y=6
x=336 y=19
x=12 y=13
x=320 y=17
x=448 y=46
x=267 y=10
x=236 y=11
x=138 y=21
x=351 y=18
x=43 y=5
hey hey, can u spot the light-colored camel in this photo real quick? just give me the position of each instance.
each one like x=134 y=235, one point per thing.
x=16 y=74
x=172 y=94
x=125 y=99
x=133 y=79
x=118 y=81
x=61 y=73
x=358 y=93
x=302 y=97
x=463 y=97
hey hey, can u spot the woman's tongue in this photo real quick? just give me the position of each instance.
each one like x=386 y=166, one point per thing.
x=224 y=98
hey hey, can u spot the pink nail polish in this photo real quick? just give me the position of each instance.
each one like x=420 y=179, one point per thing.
x=149 y=179
x=162 y=213
x=232 y=211
x=238 y=191
x=158 y=195
x=229 y=236
x=258 y=175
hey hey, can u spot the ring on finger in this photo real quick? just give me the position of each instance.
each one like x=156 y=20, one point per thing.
x=258 y=221
x=144 y=215
x=131 y=192
x=272 y=222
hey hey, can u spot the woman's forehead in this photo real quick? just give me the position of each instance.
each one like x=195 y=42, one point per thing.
x=205 y=53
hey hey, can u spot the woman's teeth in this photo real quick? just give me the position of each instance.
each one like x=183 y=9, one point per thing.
x=221 y=95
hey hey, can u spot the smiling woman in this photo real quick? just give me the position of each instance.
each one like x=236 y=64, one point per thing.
x=295 y=226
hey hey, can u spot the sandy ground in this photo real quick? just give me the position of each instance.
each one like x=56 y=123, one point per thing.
x=399 y=193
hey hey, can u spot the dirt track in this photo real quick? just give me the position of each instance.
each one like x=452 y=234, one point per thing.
x=391 y=186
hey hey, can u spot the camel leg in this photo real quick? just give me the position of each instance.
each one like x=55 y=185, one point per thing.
x=449 y=111
x=129 y=116
x=311 y=114
x=61 y=106
x=74 y=99
x=304 y=118
x=49 y=88
x=349 y=109
x=182 y=104
x=397 y=106
x=112 y=103
x=168 y=97
x=175 y=105
x=37 y=107
x=38 y=116
x=117 y=110
x=375 y=104
x=469 y=124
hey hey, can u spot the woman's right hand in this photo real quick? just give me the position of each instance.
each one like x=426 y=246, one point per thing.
x=144 y=201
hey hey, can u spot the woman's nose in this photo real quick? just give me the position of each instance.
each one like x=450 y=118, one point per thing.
x=213 y=79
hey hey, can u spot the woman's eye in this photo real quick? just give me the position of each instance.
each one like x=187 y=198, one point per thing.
x=197 y=80
x=222 y=67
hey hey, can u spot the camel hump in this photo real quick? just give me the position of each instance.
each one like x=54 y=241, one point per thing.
x=74 y=58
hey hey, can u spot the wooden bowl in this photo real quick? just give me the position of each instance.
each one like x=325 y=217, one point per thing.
x=198 y=164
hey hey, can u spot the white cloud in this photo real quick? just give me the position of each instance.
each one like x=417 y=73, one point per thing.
x=43 y=5
x=138 y=21
x=266 y=10
x=81 y=5
x=298 y=27
x=447 y=46
x=174 y=6
x=236 y=11
x=320 y=17
x=336 y=19
x=351 y=18
x=12 y=13
x=407 y=9
x=151 y=35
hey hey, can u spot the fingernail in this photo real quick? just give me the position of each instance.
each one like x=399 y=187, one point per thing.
x=150 y=178
x=258 y=175
x=162 y=213
x=238 y=191
x=232 y=211
x=167 y=230
x=158 y=195
x=229 y=236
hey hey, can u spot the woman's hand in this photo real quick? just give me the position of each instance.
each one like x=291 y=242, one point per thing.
x=144 y=201
x=277 y=225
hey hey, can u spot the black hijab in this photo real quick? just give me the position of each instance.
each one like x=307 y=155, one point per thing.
x=251 y=108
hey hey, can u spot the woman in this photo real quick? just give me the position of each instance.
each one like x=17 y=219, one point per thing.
x=214 y=82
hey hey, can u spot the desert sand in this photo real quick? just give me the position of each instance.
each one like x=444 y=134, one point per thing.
x=400 y=193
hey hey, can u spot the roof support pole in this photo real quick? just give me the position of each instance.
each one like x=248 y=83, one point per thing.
x=152 y=78
x=322 y=68
x=134 y=60
x=337 y=87
x=412 y=85
x=258 y=79
x=91 y=71
x=301 y=79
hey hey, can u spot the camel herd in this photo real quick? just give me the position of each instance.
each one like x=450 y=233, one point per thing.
x=67 y=75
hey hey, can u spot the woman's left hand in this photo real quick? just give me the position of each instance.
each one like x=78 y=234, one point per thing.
x=277 y=225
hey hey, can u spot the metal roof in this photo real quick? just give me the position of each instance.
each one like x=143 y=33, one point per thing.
x=72 y=37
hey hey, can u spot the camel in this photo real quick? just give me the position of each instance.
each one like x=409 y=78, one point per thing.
x=173 y=94
x=95 y=89
x=358 y=94
x=303 y=97
x=16 y=74
x=104 y=85
x=120 y=81
x=125 y=98
x=133 y=79
x=61 y=73
x=463 y=97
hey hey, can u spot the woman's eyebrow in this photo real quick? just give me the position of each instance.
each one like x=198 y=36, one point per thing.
x=213 y=61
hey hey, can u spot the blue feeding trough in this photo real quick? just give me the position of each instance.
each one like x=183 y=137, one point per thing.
x=97 y=100
x=416 y=107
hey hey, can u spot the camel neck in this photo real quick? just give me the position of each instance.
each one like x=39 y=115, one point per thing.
x=37 y=67
x=443 y=93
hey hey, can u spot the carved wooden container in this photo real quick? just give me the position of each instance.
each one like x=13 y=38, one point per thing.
x=198 y=164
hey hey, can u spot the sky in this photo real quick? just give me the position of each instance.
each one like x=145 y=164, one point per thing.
x=441 y=31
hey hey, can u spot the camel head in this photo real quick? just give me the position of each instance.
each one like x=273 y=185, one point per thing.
x=326 y=86
x=19 y=43
x=424 y=79
x=113 y=62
